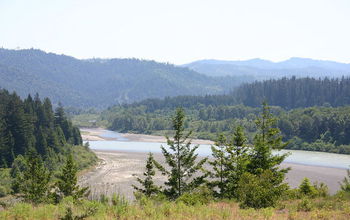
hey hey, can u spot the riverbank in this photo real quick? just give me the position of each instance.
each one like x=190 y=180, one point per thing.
x=118 y=171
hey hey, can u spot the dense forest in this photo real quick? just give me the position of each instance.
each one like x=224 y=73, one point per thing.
x=31 y=123
x=288 y=93
x=100 y=83
x=294 y=93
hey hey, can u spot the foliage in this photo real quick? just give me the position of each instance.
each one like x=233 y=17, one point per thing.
x=181 y=159
x=201 y=195
x=31 y=123
x=345 y=184
x=5 y=182
x=307 y=189
x=34 y=180
x=230 y=162
x=149 y=188
x=259 y=191
x=67 y=182
x=323 y=208
x=305 y=205
x=318 y=128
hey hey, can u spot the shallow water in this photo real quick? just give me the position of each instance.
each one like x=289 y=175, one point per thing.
x=296 y=156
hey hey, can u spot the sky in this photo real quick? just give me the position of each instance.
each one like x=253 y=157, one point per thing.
x=180 y=31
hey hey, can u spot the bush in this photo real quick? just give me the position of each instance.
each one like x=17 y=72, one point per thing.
x=305 y=205
x=259 y=191
x=306 y=189
x=201 y=196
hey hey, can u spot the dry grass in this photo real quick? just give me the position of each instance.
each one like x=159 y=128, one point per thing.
x=328 y=208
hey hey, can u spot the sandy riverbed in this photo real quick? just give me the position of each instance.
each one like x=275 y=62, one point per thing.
x=118 y=170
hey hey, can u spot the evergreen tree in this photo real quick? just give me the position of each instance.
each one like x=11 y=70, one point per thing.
x=67 y=182
x=263 y=167
x=268 y=138
x=181 y=159
x=149 y=188
x=219 y=165
x=33 y=182
x=238 y=161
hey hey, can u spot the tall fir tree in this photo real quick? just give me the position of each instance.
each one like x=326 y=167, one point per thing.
x=268 y=138
x=148 y=186
x=238 y=161
x=182 y=161
x=263 y=184
x=219 y=166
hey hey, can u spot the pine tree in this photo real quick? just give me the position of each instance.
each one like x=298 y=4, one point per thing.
x=219 y=165
x=268 y=138
x=181 y=159
x=67 y=182
x=263 y=167
x=34 y=181
x=149 y=188
x=238 y=161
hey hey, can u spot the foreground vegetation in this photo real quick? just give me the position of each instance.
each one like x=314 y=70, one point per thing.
x=245 y=182
x=336 y=207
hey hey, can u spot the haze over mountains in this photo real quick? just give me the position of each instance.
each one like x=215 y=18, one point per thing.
x=105 y=82
x=99 y=82
x=259 y=69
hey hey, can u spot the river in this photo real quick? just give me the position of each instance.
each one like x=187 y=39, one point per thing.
x=296 y=156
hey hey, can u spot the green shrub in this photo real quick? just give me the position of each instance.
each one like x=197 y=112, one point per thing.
x=305 y=205
x=201 y=196
x=306 y=189
x=259 y=191
x=321 y=189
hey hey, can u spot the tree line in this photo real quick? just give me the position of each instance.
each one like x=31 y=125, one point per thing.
x=287 y=93
x=314 y=128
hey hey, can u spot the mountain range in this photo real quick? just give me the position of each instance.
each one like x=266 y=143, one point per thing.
x=100 y=83
x=259 y=69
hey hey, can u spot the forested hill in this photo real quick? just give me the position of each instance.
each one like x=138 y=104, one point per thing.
x=258 y=69
x=32 y=124
x=288 y=93
x=100 y=82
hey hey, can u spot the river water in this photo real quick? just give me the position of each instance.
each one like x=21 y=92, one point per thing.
x=296 y=156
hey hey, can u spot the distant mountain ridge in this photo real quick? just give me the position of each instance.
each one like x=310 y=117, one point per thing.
x=258 y=69
x=99 y=82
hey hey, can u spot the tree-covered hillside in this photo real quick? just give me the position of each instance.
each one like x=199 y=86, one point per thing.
x=100 y=82
x=32 y=124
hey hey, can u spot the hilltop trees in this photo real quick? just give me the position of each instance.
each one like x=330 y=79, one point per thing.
x=182 y=161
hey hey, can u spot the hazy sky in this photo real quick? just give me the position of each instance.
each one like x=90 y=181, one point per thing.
x=180 y=31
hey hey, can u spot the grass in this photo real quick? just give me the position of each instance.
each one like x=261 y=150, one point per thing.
x=335 y=207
